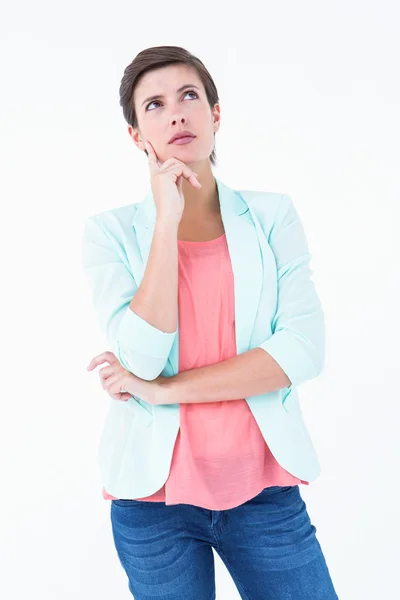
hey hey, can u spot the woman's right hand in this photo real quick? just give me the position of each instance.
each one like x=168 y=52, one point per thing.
x=166 y=184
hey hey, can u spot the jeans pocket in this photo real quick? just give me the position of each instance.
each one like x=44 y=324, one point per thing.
x=277 y=488
x=125 y=502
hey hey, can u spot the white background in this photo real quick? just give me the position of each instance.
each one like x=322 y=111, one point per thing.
x=310 y=104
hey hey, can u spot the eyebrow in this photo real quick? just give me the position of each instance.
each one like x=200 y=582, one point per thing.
x=151 y=98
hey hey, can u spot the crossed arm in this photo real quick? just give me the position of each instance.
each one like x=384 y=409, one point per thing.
x=249 y=374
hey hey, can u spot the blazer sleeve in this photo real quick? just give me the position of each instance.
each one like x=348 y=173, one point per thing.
x=298 y=328
x=140 y=347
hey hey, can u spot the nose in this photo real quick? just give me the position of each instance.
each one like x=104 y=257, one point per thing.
x=175 y=119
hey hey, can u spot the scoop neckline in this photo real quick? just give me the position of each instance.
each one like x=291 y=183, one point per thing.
x=202 y=249
x=197 y=243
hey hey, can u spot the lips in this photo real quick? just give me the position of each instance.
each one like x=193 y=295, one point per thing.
x=181 y=134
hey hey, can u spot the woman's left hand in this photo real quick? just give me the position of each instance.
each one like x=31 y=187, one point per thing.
x=122 y=384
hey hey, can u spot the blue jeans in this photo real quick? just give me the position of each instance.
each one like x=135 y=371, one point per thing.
x=268 y=545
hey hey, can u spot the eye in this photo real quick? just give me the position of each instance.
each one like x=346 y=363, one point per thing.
x=185 y=94
x=191 y=92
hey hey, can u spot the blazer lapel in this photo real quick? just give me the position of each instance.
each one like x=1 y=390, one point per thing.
x=245 y=255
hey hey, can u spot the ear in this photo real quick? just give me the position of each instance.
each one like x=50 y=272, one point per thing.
x=134 y=133
x=216 y=117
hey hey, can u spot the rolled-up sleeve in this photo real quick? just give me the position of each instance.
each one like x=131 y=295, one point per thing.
x=298 y=328
x=140 y=347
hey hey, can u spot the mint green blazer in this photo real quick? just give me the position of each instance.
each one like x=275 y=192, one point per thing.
x=276 y=308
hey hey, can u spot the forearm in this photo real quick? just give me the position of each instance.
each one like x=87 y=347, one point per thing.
x=156 y=299
x=248 y=374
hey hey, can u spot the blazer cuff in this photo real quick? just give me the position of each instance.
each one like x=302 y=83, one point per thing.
x=290 y=355
x=141 y=337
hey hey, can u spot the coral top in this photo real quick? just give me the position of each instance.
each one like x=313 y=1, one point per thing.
x=220 y=458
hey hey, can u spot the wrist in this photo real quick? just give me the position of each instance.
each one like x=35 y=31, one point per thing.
x=165 y=391
x=166 y=226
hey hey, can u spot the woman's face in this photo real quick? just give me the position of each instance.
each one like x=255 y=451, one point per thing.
x=187 y=109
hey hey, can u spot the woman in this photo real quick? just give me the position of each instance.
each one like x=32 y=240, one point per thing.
x=206 y=295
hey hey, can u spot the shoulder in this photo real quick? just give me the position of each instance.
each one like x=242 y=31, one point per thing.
x=268 y=207
x=113 y=216
x=113 y=222
x=265 y=201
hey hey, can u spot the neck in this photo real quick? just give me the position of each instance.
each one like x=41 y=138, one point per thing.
x=200 y=201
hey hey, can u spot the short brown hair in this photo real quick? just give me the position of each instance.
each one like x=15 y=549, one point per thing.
x=154 y=58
